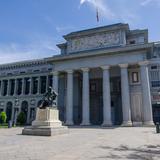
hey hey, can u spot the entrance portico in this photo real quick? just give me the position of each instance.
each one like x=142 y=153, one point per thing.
x=105 y=58
x=106 y=73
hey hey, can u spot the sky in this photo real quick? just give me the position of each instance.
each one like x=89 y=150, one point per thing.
x=30 y=29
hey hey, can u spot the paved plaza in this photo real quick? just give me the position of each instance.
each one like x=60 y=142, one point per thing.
x=82 y=144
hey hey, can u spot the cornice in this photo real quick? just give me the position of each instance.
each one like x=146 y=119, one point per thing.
x=22 y=64
x=107 y=28
x=105 y=67
x=85 y=69
x=125 y=65
x=17 y=76
x=144 y=63
x=99 y=52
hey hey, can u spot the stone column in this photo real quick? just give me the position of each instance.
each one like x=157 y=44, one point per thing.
x=69 y=105
x=55 y=83
x=147 y=105
x=9 y=88
x=2 y=87
x=107 y=121
x=15 y=87
x=85 y=98
x=23 y=86
x=28 y=116
x=31 y=86
x=38 y=85
x=12 y=114
x=47 y=83
x=126 y=108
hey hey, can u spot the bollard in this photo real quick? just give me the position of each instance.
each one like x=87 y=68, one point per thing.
x=157 y=128
x=9 y=124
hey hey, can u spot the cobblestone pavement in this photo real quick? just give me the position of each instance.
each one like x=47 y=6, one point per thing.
x=82 y=144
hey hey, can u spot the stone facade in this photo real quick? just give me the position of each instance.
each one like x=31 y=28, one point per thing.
x=22 y=85
x=104 y=76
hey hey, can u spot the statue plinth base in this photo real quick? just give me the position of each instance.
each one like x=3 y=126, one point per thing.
x=47 y=123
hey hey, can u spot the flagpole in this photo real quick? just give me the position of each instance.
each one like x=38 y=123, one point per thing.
x=97 y=16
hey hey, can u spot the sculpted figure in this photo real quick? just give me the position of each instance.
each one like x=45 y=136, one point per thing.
x=49 y=99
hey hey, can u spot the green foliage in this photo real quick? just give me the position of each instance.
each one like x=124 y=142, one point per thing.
x=21 y=118
x=3 y=117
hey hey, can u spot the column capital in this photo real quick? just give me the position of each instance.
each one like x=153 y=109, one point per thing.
x=125 y=65
x=143 y=63
x=69 y=71
x=105 y=67
x=85 y=69
x=55 y=73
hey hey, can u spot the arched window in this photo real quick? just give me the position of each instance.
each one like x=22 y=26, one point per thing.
x=24 y=108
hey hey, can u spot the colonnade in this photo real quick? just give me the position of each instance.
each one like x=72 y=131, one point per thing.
x=125 y=92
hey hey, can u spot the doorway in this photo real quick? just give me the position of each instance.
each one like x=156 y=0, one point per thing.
x=96 y=102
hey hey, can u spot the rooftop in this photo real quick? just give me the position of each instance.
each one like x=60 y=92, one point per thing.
x=98 y=29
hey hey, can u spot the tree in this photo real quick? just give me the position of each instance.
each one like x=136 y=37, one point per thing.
x=3 y=117
x=21 y=118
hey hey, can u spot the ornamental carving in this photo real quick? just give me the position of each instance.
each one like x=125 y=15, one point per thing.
x=100 y=40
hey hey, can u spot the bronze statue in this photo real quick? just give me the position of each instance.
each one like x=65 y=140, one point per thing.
x=49 y=99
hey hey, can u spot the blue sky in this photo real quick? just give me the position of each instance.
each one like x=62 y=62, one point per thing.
x=30 y=29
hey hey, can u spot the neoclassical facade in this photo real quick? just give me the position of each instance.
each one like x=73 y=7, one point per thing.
x=22 y=86
x=104 y=76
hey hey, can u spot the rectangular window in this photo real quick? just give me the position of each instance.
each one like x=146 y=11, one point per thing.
x=155 y=83
x=36 y=70
x=135 y=78
x=153 y=67
x=132 y=42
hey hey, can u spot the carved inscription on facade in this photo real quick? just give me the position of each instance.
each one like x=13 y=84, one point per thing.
x=100 y=40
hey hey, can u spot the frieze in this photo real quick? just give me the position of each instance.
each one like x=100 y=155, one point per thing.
x=100 y=40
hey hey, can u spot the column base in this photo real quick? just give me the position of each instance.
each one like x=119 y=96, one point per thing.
x=127 y=124
x=85 y=124
x=148 y=124
x=137 y=124
x=69 y=123
x=107 y=124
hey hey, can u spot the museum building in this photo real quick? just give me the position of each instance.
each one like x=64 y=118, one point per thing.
x=106 y=76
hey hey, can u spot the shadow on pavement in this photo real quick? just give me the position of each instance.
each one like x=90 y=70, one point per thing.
x=147 y=152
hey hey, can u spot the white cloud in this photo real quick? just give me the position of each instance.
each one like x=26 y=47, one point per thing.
x=14 y=52
x=103 y=7
x=120 y=12
x=82 y=1
x=147 y=2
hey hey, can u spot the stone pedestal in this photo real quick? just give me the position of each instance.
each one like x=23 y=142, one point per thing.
x=47 y=123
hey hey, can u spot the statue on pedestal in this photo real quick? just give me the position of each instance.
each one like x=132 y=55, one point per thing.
x=47 y=121
x=49 y=99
